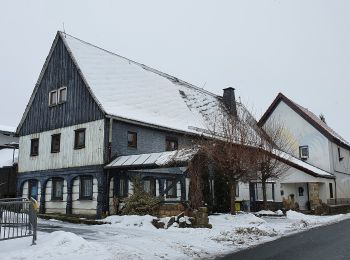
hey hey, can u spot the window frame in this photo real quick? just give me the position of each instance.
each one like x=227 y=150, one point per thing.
x=50 y=93
x=258 y=185
x=301 y=156
x=59 y=95
x=76 y=138
x=168 y=141
x=133 y=144
x=125 y=193
x=31 y=147
x=331 y=192
x=82 y=187
x=54 y=187
x=171 y=196
x=59 y=143
x=152 y=185
x=32 y=183
x=340 y=158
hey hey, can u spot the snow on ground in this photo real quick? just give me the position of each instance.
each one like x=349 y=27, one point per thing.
x=134 y=237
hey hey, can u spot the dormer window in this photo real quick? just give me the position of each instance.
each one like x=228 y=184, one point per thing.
x=62 y=95
x=53 y=98
x=304 y=152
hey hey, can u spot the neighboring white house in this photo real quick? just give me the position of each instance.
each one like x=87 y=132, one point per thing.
x=317 y=146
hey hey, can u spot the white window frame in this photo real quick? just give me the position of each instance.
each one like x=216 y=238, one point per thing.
x=53 y=104
x=59 y=95
x=301 y=148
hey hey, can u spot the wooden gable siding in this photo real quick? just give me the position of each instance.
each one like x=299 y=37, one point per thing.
x=80 y=106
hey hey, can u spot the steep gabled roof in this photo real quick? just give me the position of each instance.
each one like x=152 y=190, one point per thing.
x=132 y=91
x=310 y=117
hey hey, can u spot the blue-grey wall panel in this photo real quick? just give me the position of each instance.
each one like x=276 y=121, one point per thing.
x=80 y=106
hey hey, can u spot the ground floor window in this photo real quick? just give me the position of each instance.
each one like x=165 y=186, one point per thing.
x=172 y=192
x=86 y=187
x=270 y=190
x=331 y=190
x=149 y=186
x=122 y=187
x=57 y=189
x=33 y=189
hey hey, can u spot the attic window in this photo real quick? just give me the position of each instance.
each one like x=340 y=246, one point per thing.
x=304 y=152
x=62 y=95
x=53 y=98
x=340 y=157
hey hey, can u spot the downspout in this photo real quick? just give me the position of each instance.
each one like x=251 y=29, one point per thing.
x=109 y=156
x=335 y=191
x=110 y=139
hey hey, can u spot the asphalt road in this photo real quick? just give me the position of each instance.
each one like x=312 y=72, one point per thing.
x=327 y=242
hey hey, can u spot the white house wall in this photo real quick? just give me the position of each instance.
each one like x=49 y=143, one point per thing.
x=340 y=166
x=303 y=133
x=92 y=154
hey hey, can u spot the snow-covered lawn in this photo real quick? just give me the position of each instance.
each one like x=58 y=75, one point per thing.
x=134 y=237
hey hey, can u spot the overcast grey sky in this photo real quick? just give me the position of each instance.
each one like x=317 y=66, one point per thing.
x=298 y=47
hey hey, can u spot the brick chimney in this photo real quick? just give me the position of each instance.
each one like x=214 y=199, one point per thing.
x=229 y=100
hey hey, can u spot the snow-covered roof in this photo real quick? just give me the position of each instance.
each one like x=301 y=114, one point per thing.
x=308 y=116
x=322 y=124
x=130 y=90
x=304 y=166
x=153 y=159
x=5 y=128
x=6 y=157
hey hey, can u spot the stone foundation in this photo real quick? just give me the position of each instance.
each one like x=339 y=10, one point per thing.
x=314 y=197
x=169 y=210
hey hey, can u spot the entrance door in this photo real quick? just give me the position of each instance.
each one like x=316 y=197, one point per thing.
x=302 y=196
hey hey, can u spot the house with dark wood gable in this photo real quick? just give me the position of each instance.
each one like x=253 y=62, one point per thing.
x=318 y=146
x=95 y=119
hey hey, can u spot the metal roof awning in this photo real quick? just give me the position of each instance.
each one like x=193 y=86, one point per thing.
x=172 y=170
x=153 y=159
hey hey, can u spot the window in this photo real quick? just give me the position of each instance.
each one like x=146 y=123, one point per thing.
x=132 y=139
x=62 y=95
x=55 y=143
x=270 y=190
x=331 y=190
x=53 y=98
x=33 y=189
x=57 y=189
x=171 y=144
x=79 y=140
x=172 y=192
x=340 y=157
x=86 y=188
x=237 y=190
x=34 y=147
x=123 y=188
x=301 y=191
x=304 y=152
x=149 y=186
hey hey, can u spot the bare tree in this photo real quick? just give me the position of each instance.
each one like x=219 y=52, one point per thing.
x=275 y=148
x=230 y=143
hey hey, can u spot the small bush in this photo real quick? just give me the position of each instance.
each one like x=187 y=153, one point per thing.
x=141 y=202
